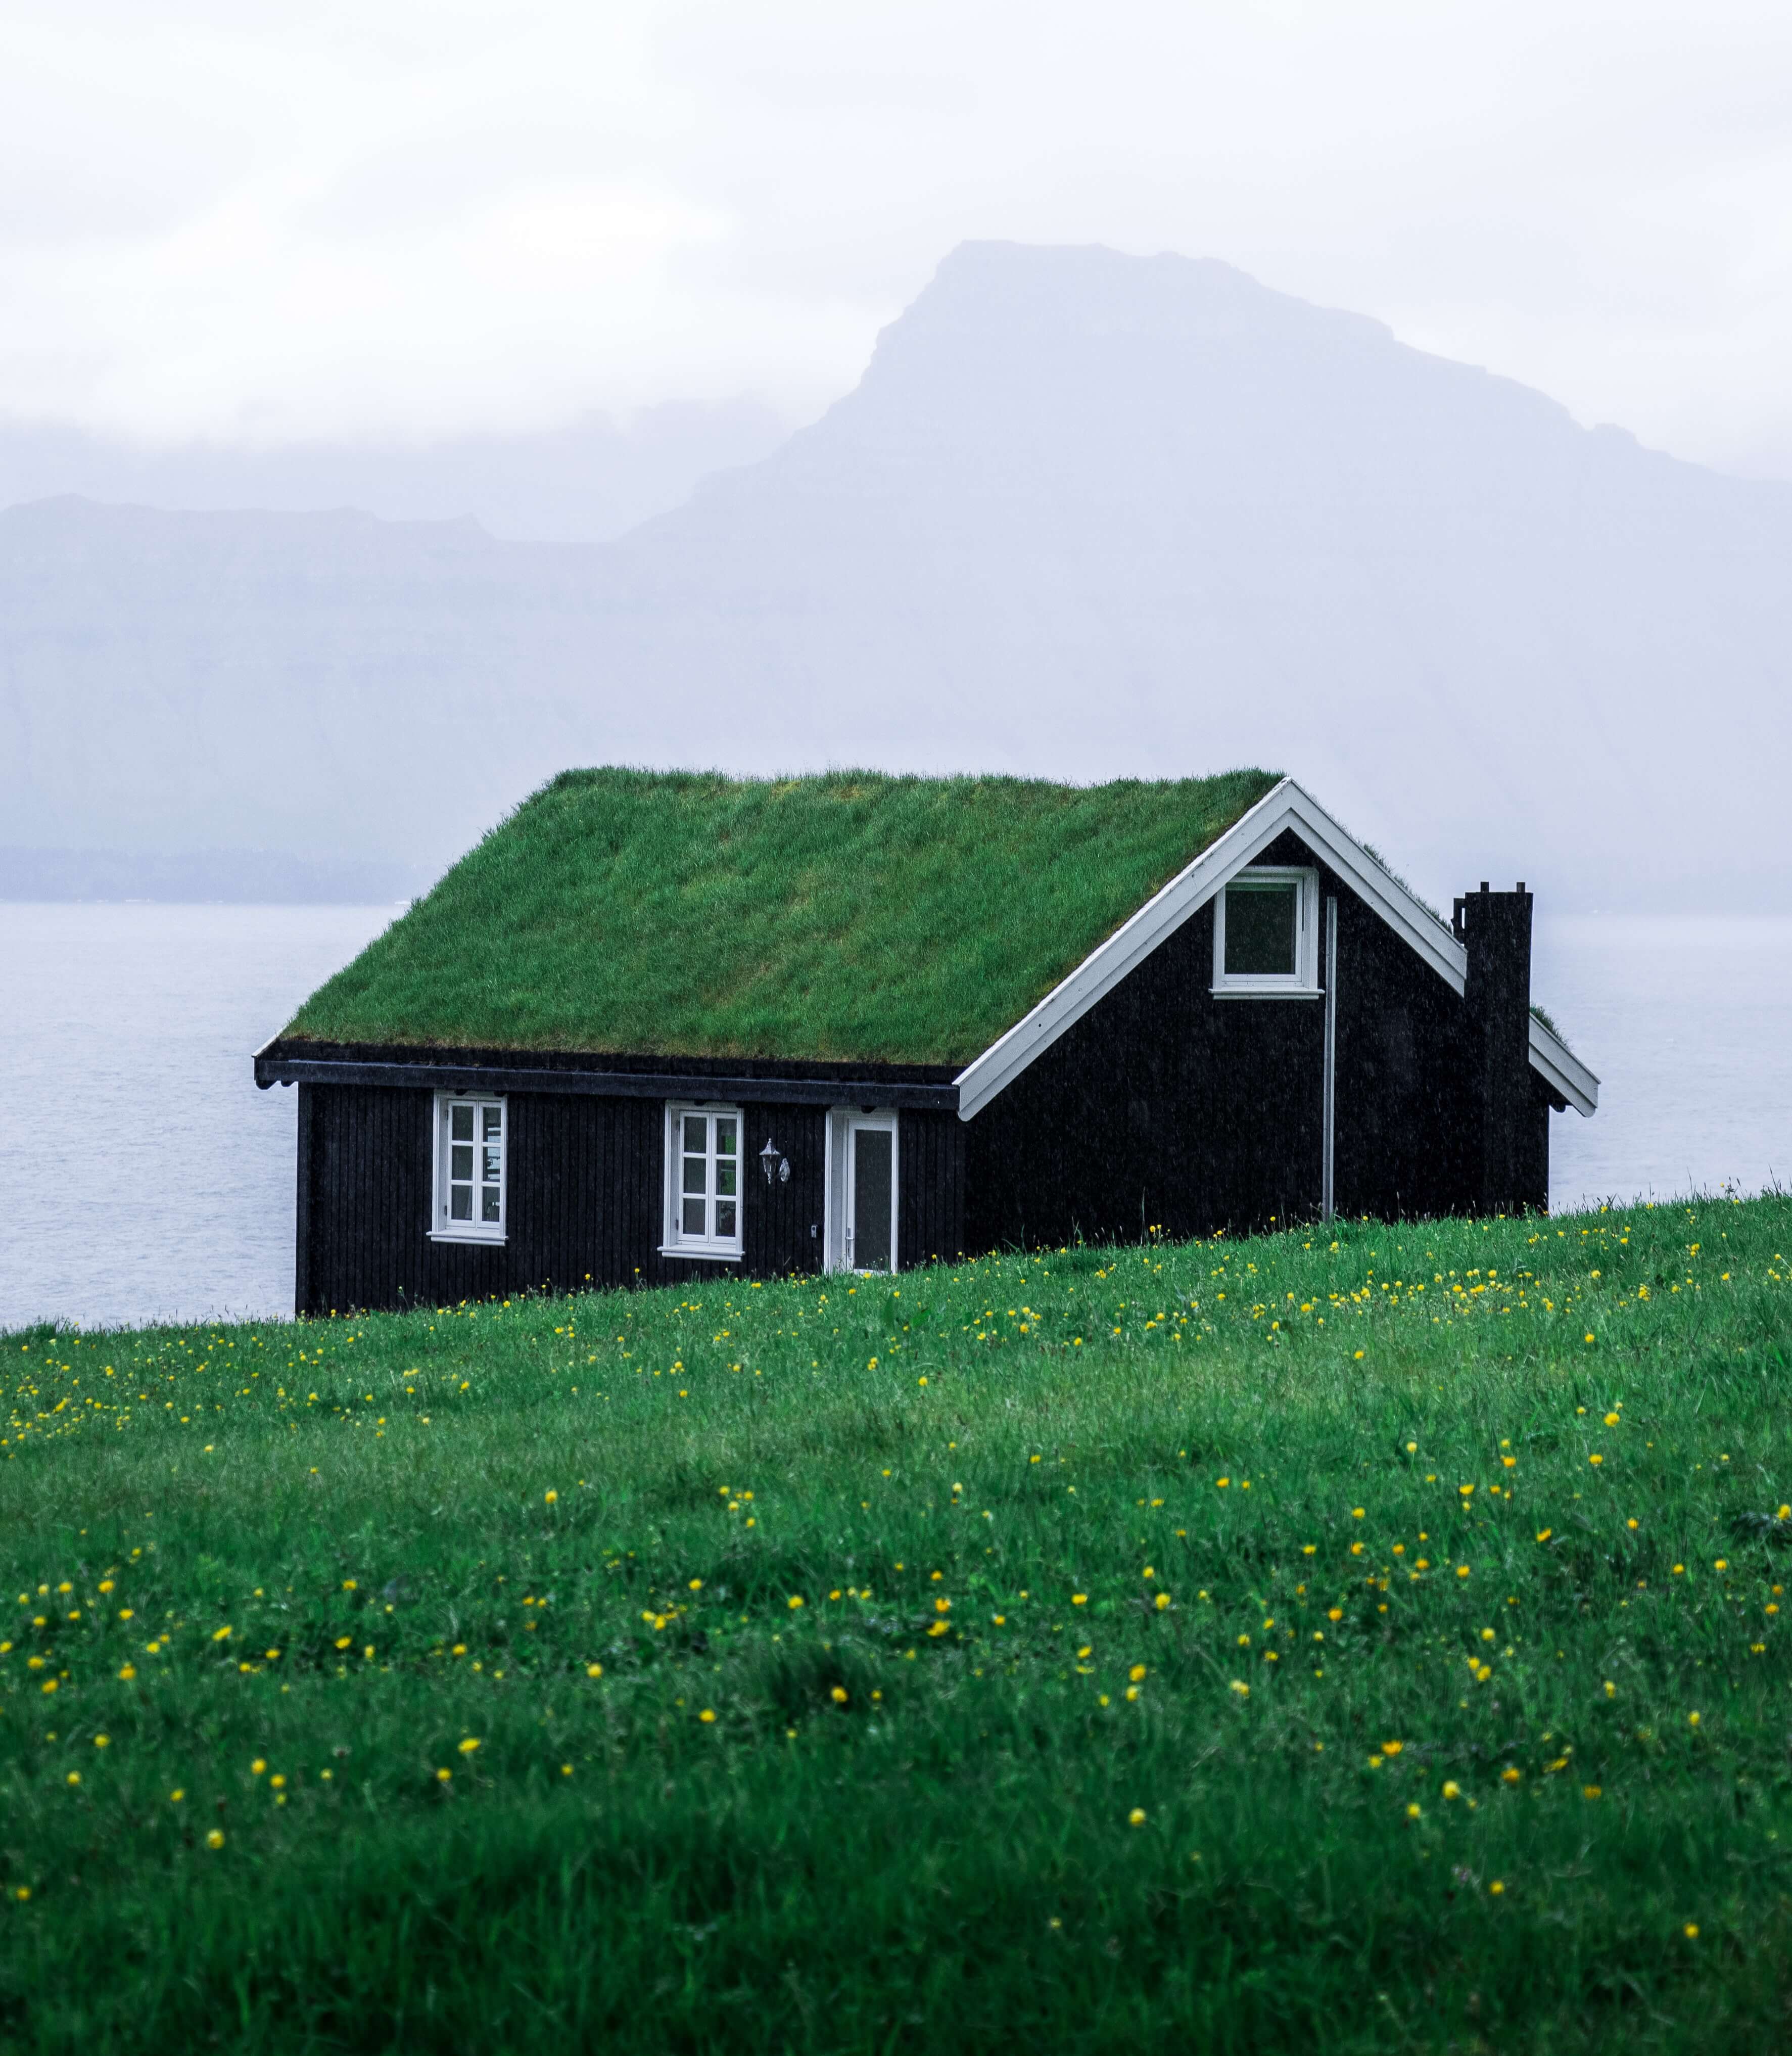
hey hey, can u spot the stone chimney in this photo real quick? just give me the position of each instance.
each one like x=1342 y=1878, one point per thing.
x=1496 y=929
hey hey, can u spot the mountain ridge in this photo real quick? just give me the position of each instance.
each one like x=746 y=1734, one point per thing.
x=1085 y=515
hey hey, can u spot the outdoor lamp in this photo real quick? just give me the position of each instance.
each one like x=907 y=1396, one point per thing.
x=776 y=1164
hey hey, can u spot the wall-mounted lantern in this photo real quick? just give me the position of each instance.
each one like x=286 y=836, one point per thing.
x=775 y=1163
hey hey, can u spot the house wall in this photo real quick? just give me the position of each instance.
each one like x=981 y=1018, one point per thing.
x=1165 y=1106
x=584 y=1180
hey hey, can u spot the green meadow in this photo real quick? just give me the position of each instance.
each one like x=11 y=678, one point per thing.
x=1342 y=1640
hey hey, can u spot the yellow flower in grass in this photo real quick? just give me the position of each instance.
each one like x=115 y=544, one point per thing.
x=469 y=1745
x=215 y=1838
x=1136 y=1818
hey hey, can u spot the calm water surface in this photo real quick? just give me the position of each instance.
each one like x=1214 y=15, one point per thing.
x=143 y=1176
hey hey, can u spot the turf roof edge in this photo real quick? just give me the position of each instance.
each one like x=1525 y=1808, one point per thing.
x=840 y=917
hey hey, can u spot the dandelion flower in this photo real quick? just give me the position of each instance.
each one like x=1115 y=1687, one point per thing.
x=1692 y=1931
x=707 y=1714
x=1497 y=1886
x=794 y=1601
x=215 y=1838
x=838 y=1695
x=550 y=1498
x=1452 y=1790
x=470 y=1744
x=594 y=1670
x=444 y=1776
x=1136 y=1818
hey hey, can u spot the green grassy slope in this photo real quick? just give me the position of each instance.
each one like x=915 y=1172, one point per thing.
x=853 y=916
x=1295 y=1644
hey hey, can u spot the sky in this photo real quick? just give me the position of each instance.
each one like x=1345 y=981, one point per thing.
x=261 y=223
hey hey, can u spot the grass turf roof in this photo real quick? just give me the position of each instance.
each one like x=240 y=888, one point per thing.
x=847 y=918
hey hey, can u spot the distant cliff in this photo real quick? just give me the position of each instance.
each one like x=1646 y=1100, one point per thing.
x=1086 y=514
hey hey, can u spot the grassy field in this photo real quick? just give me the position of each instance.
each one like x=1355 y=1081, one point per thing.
x=1302 y=1644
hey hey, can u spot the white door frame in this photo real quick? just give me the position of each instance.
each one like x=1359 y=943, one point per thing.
x=844 y=1122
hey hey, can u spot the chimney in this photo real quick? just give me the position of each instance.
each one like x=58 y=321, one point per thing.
x=1496 y=928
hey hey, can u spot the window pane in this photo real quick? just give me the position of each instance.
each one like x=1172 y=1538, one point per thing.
x=1260 y=931
x=726 y=1168
x=725 y=1138
x=725 y=1219
x=693 y=1216
x=460 y=1203
x=872 y=1158
x=489 y=1203
x=494 y=1122
x=491 y=1170
x=696 y=1175
x=459 y=1164
x=696 y=1133
x=461 y=1123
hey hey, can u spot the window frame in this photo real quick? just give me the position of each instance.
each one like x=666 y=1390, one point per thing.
x=674 y=1241
x=1302 y=982
x=842 y=1122
x=441 y=1228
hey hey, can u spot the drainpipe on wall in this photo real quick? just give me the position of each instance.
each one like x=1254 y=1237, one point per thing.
x=1495 y=927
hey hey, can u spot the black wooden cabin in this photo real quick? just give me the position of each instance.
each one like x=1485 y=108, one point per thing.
x=1279 y=1032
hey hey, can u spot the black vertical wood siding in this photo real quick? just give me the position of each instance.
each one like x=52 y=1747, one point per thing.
x=584 y=1185
x=1163 y=1108
x=1167 y=1107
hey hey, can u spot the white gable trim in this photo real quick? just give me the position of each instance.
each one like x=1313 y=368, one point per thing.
x=1285 y=806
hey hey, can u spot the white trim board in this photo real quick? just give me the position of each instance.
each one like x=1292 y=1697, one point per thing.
x=1285 y=806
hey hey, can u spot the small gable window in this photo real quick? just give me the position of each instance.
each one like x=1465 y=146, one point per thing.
x=703 y=1193
x=470 y=1180
x=1266 y=933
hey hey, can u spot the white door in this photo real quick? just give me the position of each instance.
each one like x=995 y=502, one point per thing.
x=862 y=1190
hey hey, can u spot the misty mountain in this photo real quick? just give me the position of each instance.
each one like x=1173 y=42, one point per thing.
x=1085 y=514
x=587 y=482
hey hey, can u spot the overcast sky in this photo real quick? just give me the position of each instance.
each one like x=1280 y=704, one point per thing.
x=264 y=222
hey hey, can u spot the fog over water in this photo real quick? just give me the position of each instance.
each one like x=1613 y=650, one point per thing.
x=143 y=1176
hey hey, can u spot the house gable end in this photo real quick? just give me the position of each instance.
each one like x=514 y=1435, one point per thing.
x=1287 y=807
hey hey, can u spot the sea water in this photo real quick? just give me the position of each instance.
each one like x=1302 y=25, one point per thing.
x=143 y=1176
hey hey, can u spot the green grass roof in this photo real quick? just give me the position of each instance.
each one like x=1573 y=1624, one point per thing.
x=849 y=918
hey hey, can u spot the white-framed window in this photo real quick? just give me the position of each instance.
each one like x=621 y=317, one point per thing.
x=863 y=1180
x=471 y=1140
x=1266 y=934
x=704 y=1193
